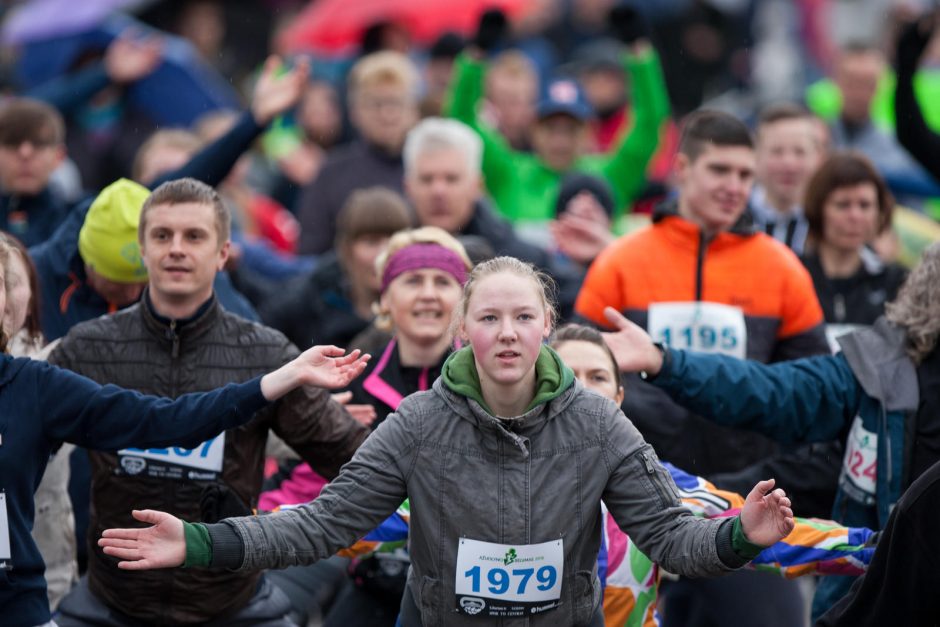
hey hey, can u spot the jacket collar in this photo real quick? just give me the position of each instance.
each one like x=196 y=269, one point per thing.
x=881 y=365
x=43 y=200
x=760 y=208
x=743 y=227
x=872 y=264
x=516 y=429
x=380 y=154
x=175 y=330
x=9 y=366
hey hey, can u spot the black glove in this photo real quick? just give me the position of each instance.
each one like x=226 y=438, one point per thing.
x=627 y=24
x=219 y=501
x=491 y=30
x=912 y=43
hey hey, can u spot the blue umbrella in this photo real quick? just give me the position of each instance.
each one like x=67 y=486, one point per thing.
x=182 y=88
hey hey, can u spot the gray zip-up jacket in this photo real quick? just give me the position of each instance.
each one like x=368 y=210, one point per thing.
x=532 y=479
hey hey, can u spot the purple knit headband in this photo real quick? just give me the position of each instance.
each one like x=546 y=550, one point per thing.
x=419 y=256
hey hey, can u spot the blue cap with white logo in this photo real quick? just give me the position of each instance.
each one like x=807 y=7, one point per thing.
x=564 y=96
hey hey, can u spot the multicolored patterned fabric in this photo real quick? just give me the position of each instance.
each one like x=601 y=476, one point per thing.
x=631 y=580
x=815 y=547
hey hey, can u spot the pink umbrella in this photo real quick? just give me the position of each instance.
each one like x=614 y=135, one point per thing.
x=336 y=26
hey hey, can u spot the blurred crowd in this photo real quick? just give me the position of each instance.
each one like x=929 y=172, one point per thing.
x=753 y=178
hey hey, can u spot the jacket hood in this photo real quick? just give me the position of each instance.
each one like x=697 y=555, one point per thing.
x=459 y=384
x=552 y=377
x=881 y=365
x=10 y=366
x=669 y=208
x=518 y=428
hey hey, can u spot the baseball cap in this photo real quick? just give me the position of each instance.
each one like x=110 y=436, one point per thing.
x=564 y=96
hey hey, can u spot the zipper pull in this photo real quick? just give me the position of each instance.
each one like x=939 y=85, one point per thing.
x=838 y=307
x=649 y=464
x=174 y=336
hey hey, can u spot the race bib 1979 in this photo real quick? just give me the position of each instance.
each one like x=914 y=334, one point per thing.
x=202 y=463
x=6 y=556
x=860 y=467
x=699 y=326
x=508 y=581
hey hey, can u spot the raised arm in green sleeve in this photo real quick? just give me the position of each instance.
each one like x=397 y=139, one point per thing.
x=462 y=102
x=625 y=167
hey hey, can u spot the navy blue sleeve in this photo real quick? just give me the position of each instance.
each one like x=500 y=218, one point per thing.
x=68 y=93
x=213 y=163
x=109 y=417
x=807 y=400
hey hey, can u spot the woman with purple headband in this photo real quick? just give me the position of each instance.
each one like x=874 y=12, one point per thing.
x=422 y=274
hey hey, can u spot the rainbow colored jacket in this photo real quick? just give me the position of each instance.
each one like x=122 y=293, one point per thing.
x=631 y=580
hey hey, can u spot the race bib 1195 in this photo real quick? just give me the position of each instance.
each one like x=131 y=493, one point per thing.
x=202 y=463
x=508 y=581
x=699 y=326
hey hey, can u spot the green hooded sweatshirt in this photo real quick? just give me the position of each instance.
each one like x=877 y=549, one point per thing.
x=552 y=377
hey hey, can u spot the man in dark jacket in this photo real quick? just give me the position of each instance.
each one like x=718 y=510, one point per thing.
x=443 y=183
x=179 y=340
x=88 y=268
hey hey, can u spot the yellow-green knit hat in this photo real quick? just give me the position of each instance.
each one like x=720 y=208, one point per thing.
x=108 y=239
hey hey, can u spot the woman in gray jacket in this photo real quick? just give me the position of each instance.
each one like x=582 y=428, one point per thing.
x=505 y=461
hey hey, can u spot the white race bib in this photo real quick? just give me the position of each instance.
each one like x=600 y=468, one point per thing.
x=699 y=326
x=506 y=580
x=202 y=463
x=860 y=467
x=6 y=556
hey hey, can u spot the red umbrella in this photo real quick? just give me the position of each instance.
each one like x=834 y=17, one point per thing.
x=336 y=26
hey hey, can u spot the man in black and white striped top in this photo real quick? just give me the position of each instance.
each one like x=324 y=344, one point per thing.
x=788 y=152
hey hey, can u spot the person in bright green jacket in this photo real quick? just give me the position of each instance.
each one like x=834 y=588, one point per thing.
x=525 y=186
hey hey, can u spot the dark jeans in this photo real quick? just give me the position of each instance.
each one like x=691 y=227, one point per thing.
x=740 y=599
x=81 y=608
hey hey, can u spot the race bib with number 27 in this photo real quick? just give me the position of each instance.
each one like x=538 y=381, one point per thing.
x=202 y=463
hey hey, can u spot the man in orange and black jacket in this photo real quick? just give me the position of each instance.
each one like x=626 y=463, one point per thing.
x=701 y=277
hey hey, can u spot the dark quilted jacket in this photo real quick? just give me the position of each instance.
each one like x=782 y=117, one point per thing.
x=136 y=349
